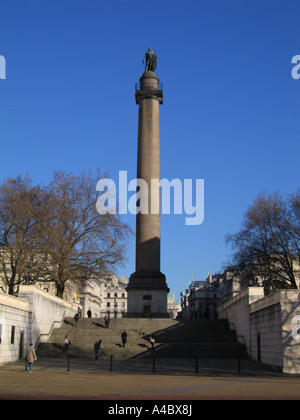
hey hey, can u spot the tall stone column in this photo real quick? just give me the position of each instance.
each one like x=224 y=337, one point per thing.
x=147 y=288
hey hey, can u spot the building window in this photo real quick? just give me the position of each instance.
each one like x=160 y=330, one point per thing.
x=108 y=294
x=12 y=335
x=108 y=305
x=147 y=297
x=0 y=333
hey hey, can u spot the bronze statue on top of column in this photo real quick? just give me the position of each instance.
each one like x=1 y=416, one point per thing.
x=151 y=59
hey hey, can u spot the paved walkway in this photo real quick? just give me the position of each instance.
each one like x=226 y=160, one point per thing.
x=136 y=380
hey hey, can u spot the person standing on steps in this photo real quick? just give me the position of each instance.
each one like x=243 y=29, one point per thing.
x=152 y=341
x=124 y=338
x=66 y=342
x=107 y=319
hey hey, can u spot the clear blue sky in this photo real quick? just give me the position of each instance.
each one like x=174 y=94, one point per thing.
x=230 y=113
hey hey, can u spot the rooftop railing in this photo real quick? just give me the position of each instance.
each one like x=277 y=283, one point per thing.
x=150 y=88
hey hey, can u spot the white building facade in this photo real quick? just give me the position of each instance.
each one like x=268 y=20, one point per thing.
x=104 y=295
x=202 y=298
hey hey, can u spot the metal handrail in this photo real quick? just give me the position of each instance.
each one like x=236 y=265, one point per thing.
x=51 y=329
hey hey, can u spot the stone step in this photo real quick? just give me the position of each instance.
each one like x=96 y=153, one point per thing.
x=150 y=324
x=202 y=351
x=217 y=328
x=174 y=339
x=162 y=351
x=114 y=339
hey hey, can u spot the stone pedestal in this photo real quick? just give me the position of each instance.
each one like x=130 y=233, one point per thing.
x=147 y=288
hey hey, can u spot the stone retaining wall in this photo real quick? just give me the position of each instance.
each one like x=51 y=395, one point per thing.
x=269 y=325
x=29 y=318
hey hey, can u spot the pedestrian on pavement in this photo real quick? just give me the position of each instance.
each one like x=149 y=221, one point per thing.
x=124 y=338
x=76 y=319
x=31 y=357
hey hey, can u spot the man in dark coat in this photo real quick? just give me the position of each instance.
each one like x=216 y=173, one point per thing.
x=124 y=338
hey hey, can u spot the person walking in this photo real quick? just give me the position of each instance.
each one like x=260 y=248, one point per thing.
x=31 y=357
x=124 y=338
x=76 y=319
x=98 y=347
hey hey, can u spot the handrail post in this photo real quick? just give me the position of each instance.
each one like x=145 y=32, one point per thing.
x=153 y=365
x=68 y=363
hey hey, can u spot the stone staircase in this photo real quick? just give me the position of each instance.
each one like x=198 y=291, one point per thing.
x=186 y=339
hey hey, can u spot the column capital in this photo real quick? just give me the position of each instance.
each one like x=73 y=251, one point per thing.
x=149 y=87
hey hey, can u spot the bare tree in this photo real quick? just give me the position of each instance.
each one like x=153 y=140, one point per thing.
x=76 y=238
x=18 y=230
x=295 y=221
x=267 y=245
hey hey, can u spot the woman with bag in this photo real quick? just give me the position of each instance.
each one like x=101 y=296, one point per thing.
x=31 y=357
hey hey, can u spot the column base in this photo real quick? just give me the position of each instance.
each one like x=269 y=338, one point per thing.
x=147 y=296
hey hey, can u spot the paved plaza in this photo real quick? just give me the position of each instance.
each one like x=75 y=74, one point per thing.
x=86 y=379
